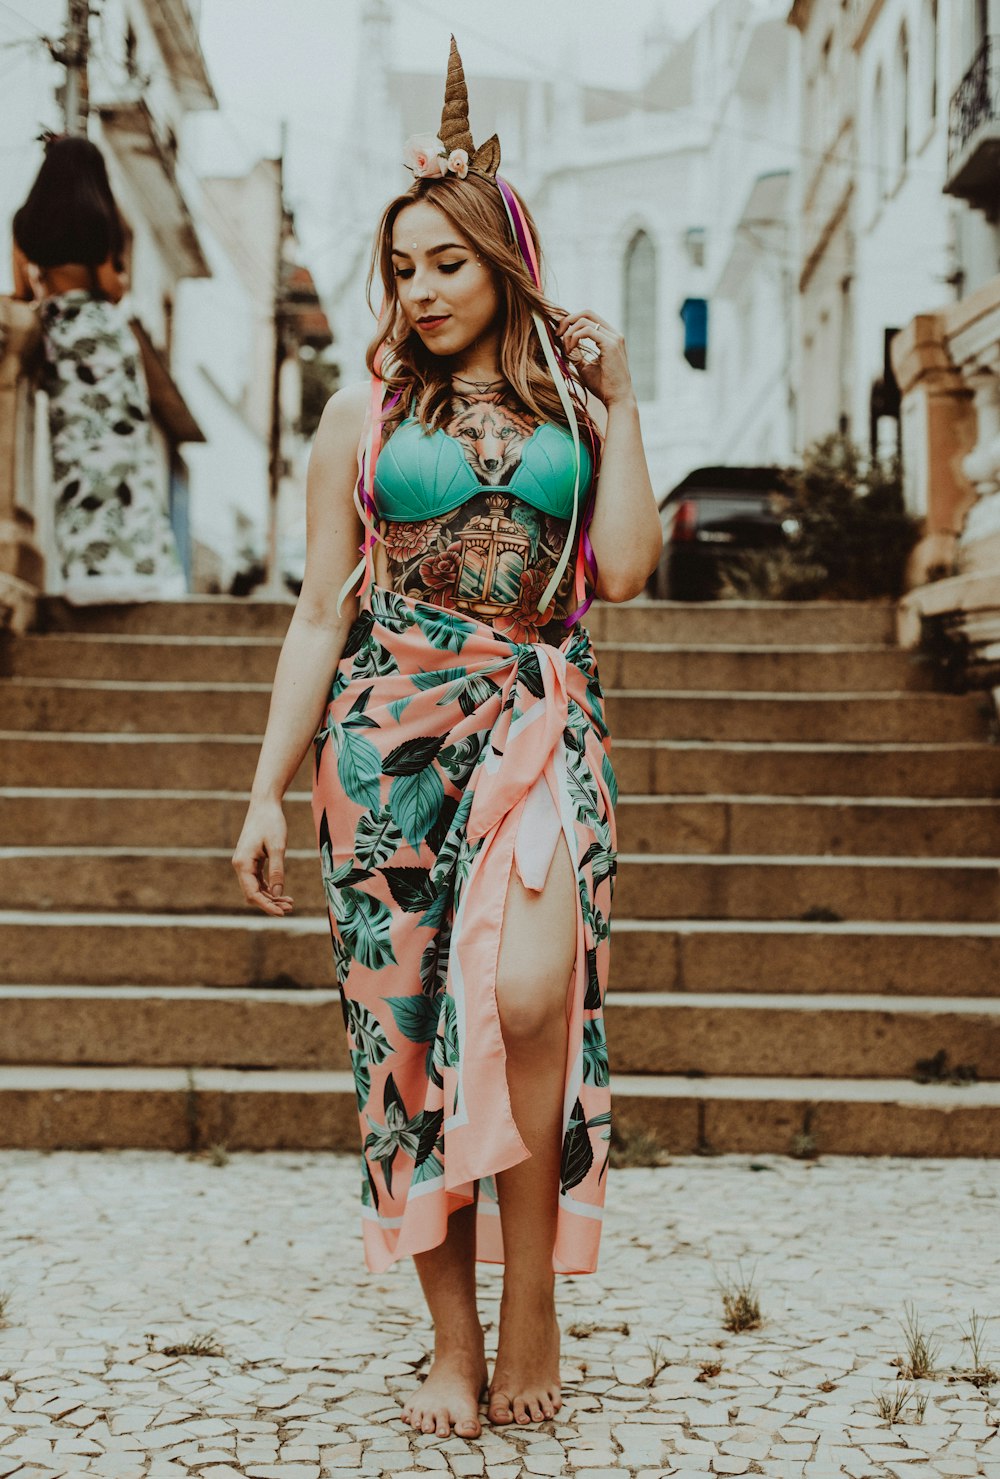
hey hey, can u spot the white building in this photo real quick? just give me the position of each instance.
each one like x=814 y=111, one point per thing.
x=878 y=236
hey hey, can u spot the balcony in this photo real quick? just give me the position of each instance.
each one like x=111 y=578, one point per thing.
x=974 y=132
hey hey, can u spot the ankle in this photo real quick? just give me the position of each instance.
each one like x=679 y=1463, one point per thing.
x=537 y=1296
x=458 y=1341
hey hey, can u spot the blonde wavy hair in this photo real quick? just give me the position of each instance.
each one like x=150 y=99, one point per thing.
x=475 y=208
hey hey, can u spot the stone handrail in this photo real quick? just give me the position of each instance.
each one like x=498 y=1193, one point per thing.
x=21 y=562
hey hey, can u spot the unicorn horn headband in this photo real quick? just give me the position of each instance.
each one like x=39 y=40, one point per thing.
x=452 y=149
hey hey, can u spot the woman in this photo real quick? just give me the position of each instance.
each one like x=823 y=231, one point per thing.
x=463 y=796
x=112 y=534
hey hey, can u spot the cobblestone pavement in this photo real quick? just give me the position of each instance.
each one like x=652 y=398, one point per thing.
x=110 y=1259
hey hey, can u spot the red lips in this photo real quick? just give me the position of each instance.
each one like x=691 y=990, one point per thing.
x=432 y=323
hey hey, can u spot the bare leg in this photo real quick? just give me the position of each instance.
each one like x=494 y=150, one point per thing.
x=449 y=1395
x=537 y=953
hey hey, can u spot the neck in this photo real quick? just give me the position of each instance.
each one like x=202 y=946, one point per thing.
x=480 y=360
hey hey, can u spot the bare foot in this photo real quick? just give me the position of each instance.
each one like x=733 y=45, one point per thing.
x=526 y=1383
x=449 y=1395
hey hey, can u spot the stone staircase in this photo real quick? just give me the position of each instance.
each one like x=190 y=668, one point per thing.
x=806 y=910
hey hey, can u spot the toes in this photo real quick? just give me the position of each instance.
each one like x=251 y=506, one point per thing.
x=499 y=1408
x=548 y=1409
x=443 y=1428
x=468 y=1427
x=535 y=1408
x=521 y=1413
x=428 y=1425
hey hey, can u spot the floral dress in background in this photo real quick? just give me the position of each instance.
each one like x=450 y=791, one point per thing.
x=113 y=537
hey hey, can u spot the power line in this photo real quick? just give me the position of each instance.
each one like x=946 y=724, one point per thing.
x=4 y=5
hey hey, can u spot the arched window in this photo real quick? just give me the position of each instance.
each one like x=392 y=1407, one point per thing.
x=641 y=313
x=903 y=99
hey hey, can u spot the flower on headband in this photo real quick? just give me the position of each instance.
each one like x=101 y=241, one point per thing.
x=458 y=162
x=424 y=155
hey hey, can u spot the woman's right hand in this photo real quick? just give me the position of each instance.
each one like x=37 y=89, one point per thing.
x=262 y=846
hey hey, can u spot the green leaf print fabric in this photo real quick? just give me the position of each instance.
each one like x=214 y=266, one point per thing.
x=111 y=529
x=457 y=757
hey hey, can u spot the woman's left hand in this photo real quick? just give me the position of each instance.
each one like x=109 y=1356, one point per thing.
x=607 y=374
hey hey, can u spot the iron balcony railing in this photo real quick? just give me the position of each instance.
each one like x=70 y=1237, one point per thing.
x=976 y=100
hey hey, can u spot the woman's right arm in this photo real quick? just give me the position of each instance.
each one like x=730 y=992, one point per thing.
x=311 y=649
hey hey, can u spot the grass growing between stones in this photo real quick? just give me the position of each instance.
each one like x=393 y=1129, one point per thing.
x=891 y=1405
x=199 y=1345
x=740 y=1305
x=982 y=1373
x=5 y=1298
x=657 y=1361
x=636 y=1148
x=922 y=1350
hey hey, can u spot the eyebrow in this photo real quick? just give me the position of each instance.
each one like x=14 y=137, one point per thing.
x=448 y=246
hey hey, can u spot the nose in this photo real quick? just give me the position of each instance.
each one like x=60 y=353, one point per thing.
x=421 y=289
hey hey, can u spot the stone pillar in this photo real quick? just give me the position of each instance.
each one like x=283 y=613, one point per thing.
x=938 y=431
x=21 y=563
x=955 y=598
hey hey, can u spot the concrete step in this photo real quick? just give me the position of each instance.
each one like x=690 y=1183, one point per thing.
x=905 y=769
x=855 y=717
x=814 y=826
x=57 y=1107
x=197 y=762
x=103 y=706
x=648 y=1032
x=764 y=668
x=634 y=621
x=249 y=949
x=186 y=880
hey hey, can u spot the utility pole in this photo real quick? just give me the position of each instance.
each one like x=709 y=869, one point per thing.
x=274 y=586
x=74 y=54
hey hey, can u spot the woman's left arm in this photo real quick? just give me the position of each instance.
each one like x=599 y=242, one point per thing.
x=24 y=286
x=625 y=530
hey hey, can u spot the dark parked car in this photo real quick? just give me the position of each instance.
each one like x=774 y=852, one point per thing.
x=713 y=513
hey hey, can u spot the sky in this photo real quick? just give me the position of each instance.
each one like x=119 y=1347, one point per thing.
x=298 y=60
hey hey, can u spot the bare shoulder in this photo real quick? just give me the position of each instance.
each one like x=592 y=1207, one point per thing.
x=345 y=410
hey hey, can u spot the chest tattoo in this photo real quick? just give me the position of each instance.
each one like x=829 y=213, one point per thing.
x=493 y=555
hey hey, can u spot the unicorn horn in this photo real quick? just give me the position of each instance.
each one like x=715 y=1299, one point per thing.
x=455 y=132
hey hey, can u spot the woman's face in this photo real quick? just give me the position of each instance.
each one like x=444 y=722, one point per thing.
x=446 y=294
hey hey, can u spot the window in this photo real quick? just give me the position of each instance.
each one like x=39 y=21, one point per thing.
x=930 y=50
x=878 y=160
x=641 y=313
x=903 y=98
x=131 y=64
x=826 y=95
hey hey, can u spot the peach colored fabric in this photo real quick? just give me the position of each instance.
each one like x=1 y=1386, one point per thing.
x=450 y=755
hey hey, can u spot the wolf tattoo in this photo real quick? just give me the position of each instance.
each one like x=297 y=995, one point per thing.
x=492 y=433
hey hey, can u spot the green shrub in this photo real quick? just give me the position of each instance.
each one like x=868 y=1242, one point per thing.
x=854 y=534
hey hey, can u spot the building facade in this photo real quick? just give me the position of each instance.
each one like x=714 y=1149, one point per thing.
x=948 y=364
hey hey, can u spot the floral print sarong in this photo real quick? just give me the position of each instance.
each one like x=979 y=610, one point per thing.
x=449 y=755
x=112 y=533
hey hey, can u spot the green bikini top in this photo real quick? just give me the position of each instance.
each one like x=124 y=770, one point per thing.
x=422 y=475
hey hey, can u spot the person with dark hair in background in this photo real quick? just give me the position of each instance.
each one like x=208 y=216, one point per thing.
x=113 y=537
